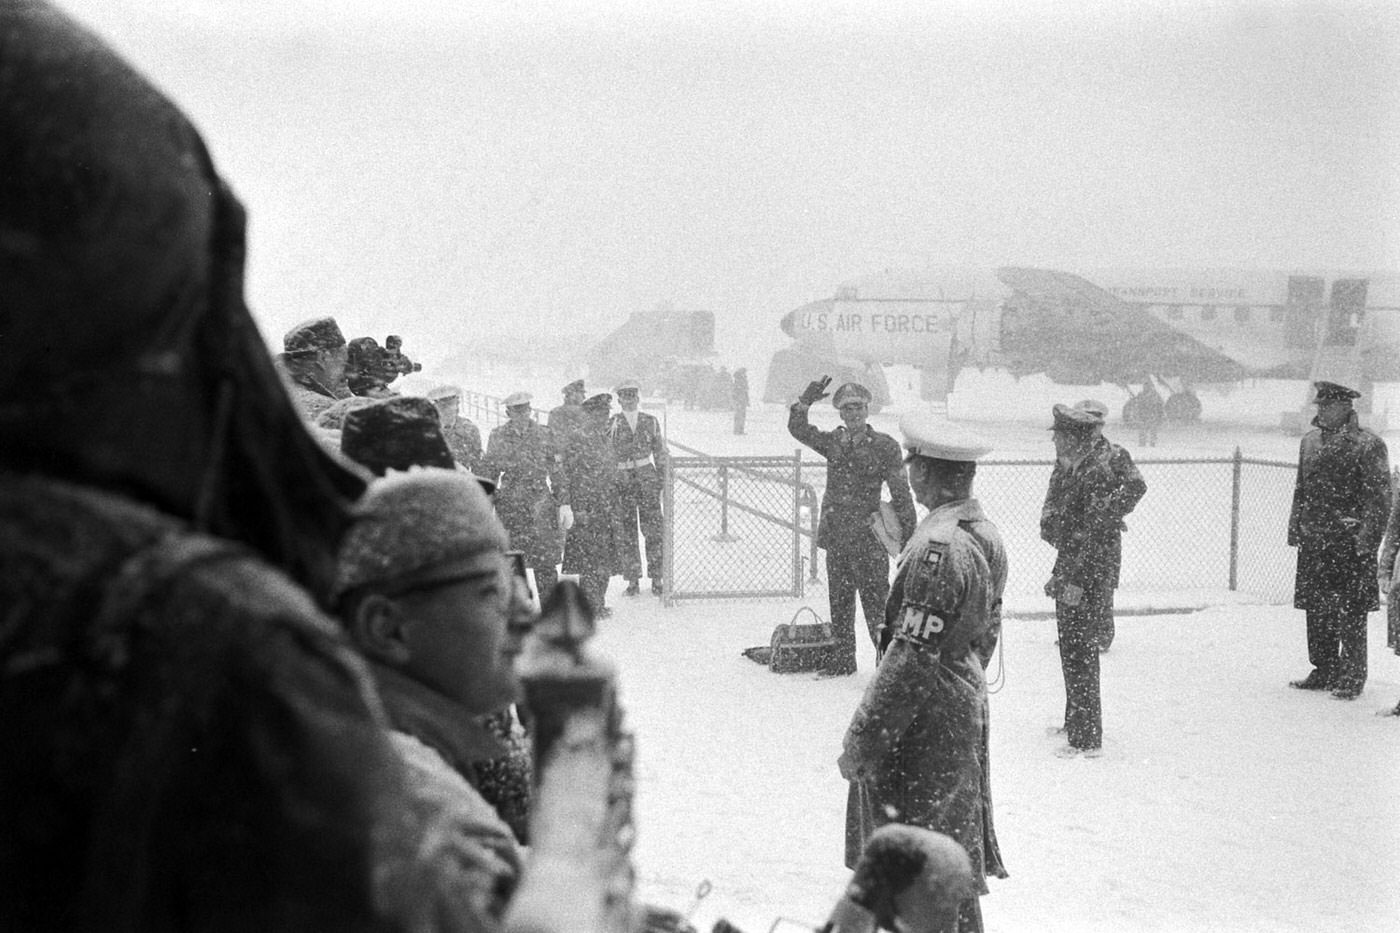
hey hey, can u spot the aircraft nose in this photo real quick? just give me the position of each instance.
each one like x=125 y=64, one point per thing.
x=788 y=323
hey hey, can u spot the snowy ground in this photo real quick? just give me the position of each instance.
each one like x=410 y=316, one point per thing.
x=1224 y=801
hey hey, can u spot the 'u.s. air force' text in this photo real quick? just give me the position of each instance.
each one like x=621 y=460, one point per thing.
x=875 y=322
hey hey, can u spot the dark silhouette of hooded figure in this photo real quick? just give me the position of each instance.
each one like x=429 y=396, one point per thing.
x=187 y=741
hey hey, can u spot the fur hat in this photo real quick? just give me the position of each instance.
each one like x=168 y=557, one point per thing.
x=416 y=528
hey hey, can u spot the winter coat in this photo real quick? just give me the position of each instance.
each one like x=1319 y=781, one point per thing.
x=590 y=546
x=635 y=447
x=856 y=467
x=1390 y=552
x=464 y=440
x=919 y=737
x=1082 y=517
x=1341 y=500
x=524 y=462
x=440 y=743
x=564 y=422
x=189 y=743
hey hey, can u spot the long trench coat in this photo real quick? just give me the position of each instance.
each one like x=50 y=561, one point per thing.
x=919 y=736
x=524 y=461
x=1341 y=500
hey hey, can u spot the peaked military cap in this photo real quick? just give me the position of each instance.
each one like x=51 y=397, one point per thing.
x=439 y=393
x=1331 y=391
x=1074 y=419
x=628 y=384
x=321 y=333
x=575 y=386
x=395 y=434
x=1094 y=406
x=416 y=529
x=603 y=400
x=928 y=435
x=851 y=391
x=517 y=398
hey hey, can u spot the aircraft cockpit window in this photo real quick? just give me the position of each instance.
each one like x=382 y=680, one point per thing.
x=1242 y=315
x=1207 y=312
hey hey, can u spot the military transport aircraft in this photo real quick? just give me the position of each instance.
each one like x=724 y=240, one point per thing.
x=1123 y=327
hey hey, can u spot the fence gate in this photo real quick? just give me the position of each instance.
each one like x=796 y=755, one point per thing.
x=733 y=526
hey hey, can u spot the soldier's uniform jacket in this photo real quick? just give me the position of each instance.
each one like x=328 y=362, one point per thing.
x=565 y=421
x=641 y=448
x=1082 y=517
x=525 y=464
x=919 y=736
x=464 y=440
x=1341 y=500
x=856 y=466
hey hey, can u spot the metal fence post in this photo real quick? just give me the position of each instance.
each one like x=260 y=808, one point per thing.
x=797 y=524
x=1235 y=471
x=668 y=532
x=724 y=534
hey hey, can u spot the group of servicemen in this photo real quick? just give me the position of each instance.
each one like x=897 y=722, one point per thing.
x=575 y=490
x=244 y=682
x=916 y=750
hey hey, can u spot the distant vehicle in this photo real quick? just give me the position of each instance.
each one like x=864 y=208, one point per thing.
x=1121 y=327
x=670 y=352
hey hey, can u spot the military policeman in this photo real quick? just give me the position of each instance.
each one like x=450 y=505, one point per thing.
x=315 y=358
x=463 y=437
x=916 y=749
x=590 y=548
x=859 y=460
x=641 y=459
x=1082 y=518
x=532 y=494
x=1341 y=500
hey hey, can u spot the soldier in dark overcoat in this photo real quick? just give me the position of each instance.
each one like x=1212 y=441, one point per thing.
x=532 y=494
x=916 y=750
x=590 y=548
x=462 y=435
x=640 y=449
x=1341 y=500
x=1082 y=518
x=567 y=419
x=859 y=462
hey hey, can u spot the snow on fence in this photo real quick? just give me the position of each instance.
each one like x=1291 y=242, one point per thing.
x=745 y=526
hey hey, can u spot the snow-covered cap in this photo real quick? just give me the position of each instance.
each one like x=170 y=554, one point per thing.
x=1095 y=406
x=928 y=435
x=1074 y=419
x=1331 y=392
x=417 y=528
x=444 y=392
x=602 y=401
x=575 y=386
x=628 y=385
x=319 y=333
x=517 y=398
x=851 y=391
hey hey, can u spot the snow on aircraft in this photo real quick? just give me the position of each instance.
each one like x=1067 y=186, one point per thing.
x=1122 y=327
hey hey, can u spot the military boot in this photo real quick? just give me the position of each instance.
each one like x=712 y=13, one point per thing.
x=633 y=589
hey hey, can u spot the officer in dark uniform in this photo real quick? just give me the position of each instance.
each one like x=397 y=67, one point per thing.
x=1082 y=518
x=641 y=459
x=859 y=460
x=315 y=358
x=532 y=495
x=462 y=436
x=1341 y=500
x=567 y=419
x=589 y=546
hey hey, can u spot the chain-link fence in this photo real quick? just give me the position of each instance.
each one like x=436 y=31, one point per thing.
x=1204 y=524
x=734 y=526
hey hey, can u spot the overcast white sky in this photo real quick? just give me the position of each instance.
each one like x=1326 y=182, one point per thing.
x=437 y=169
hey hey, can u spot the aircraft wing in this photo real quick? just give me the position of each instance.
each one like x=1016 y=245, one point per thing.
x=1072 y=329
